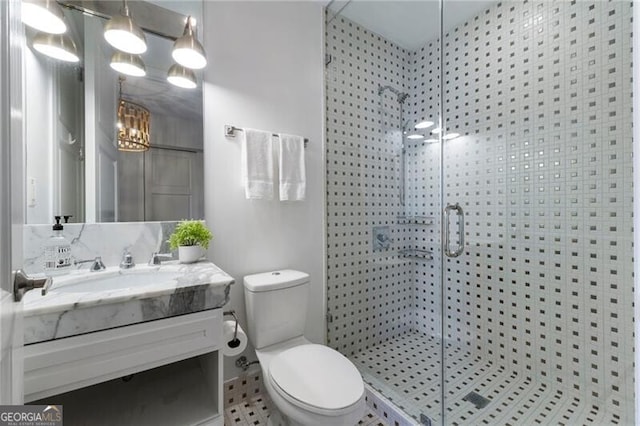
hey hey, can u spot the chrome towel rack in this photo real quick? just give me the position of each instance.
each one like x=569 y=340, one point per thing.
x=230 y=132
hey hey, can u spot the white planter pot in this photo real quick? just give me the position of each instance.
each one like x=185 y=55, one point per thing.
x=189 y=254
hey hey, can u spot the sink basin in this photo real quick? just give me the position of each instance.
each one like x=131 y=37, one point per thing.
x=112 y=280
x=83 y=301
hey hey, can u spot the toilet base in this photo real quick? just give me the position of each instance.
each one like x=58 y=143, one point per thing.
x=276 y=418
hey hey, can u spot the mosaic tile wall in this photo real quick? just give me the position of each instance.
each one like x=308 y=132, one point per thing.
x=370 y=292
x=541 y=92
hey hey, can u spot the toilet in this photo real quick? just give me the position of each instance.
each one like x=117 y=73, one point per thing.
x=309 y=384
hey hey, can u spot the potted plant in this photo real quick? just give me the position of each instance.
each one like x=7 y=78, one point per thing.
x=190 y=238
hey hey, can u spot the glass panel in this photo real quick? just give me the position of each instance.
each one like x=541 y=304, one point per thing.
x=538 y=313
x=383 y=210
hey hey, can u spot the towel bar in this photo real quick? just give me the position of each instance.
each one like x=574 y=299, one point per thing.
x=230 y=132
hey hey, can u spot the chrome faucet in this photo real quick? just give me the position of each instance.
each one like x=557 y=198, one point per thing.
x=96 y=264
x=127 y=260
x=156 y=258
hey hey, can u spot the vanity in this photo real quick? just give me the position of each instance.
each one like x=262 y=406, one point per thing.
x=118 y=346
x=137 y=346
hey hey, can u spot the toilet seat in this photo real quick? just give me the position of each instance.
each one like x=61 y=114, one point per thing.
x=316 y=378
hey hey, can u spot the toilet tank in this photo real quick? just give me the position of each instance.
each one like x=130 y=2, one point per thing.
x=276 y=306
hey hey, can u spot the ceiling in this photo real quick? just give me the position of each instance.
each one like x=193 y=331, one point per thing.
x=409 y=24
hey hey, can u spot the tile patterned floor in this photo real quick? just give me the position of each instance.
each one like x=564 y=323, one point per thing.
x=255 y=411
x=407 y=371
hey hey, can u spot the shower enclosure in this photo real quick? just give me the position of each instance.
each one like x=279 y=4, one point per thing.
x=480 y=267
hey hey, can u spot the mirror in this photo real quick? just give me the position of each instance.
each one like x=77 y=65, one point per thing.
x=73 y=165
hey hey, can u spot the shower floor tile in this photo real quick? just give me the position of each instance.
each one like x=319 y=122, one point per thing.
x=407 y=371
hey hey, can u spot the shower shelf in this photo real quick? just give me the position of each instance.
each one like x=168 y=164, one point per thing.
x=415 y=220
x=416 y=254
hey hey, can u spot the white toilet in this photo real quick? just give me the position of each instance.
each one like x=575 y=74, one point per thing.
x=310 y=384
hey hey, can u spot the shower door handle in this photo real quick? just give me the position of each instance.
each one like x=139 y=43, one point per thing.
x=447 y=245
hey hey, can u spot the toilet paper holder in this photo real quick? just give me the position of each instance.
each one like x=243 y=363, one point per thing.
x=235 y=342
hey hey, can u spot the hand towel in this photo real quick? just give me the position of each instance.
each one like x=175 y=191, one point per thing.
x=292 y=169
x=257 y=164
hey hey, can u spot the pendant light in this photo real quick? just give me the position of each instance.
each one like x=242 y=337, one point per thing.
x=126 y=63
x=43 y=15
x=123 y=34
x=182 y=77
x=187 y=50
x=57 y=46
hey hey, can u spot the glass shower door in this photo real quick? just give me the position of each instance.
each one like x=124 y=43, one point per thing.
x=537 y=183
x=383 y=203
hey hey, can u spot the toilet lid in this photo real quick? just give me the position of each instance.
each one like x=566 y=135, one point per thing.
x=317 y=376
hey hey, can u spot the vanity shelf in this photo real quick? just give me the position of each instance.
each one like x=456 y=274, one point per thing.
x=416 y=254
x=174 y=394
x=415 y=220
x=173 y=360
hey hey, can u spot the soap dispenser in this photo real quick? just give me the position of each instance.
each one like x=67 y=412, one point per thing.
x=57 y=251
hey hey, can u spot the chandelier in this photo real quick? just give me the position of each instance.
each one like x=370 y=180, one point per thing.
x=133 y=125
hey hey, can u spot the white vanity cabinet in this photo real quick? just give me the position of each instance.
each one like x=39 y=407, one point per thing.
x=176 y=363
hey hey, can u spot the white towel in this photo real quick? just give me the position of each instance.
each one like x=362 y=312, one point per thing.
x=292 y=170
x=257 y=164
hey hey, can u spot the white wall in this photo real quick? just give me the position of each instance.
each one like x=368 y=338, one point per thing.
x=265 y=71
x=39 y=138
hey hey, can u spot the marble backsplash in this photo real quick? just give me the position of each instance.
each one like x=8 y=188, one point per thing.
x=107 y=240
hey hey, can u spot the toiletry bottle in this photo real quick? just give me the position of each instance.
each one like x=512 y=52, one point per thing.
x=57 y=251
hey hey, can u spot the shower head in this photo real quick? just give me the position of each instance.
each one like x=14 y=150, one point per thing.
x=401 y=95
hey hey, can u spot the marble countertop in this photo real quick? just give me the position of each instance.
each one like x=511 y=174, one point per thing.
x=79 y=303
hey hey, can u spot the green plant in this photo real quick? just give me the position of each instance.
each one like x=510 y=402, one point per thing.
x=190 y=233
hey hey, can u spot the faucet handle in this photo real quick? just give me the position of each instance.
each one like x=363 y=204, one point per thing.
x=127 y=260
x=156 y=258
x=97 y=264
x=23 y=283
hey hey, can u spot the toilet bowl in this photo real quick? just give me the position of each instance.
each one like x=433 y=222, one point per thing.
x=309 y=384
x=312 y=384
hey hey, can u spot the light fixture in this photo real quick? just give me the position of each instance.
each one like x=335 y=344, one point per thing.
x=123 y=34
x=437 y=130
x=415 y=136
x=187 y=50
x=43 y=15
x=182 y=77
x=128 y=64
x=133 y=125
x=424 y=124
x=431 y=140
x=57 y=46
x=450 y=136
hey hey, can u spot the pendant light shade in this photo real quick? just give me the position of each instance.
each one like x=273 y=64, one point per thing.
x=43 y=15
x=123 y=34
x=57 y=46
x=187 y=50
x=126 y=63
x=182 y=77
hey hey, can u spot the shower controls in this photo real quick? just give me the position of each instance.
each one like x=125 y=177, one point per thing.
x=381 y=238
